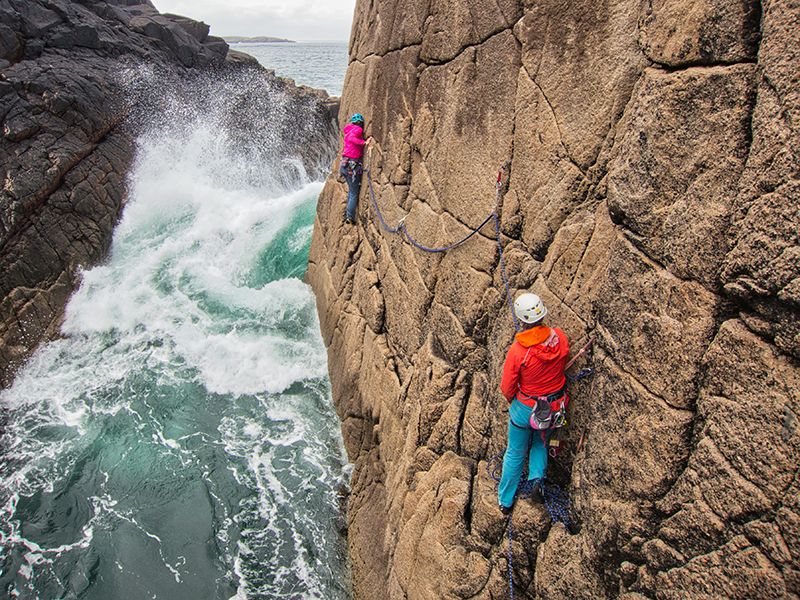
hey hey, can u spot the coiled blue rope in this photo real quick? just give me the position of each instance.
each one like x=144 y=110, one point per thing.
x=556 y=501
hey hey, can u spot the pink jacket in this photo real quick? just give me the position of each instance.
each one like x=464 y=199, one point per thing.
x=353 y=141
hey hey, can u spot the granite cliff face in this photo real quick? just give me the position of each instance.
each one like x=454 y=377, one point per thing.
x=65 y=97
x=653 y=200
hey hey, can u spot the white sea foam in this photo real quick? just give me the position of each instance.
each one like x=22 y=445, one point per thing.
x=180 y=313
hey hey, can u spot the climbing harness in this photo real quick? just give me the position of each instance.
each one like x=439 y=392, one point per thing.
x=351 y=168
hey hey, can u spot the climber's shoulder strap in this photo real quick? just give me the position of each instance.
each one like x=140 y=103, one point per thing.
x=526 y=356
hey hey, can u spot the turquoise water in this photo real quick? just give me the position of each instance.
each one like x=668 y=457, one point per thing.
x=178 y=441
x=320 y=65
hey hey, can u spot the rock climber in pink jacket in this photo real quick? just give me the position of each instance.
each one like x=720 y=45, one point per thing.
x=351 y=167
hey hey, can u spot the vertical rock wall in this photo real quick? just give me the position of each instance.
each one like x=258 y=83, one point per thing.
x=653 y=200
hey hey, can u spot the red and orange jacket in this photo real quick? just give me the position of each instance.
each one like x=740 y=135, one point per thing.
x=547 y=350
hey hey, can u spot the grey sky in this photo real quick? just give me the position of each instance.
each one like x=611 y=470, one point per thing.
x=305 y=20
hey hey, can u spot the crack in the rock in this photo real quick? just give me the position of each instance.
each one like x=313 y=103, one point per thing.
x=756 y=544
x=622 y=369
x=729 y=465
x=364 y=58
x=561 y=141
x=666 y=68
x=631 y=238
x=466 y=387
x=42 y=196
x=462 y=49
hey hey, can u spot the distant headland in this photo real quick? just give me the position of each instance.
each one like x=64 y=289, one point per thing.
x=235 y=39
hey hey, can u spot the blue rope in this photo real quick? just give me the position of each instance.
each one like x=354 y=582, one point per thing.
x=556 y=500
x=416 y=244
x=378 y=210
x=401 y=228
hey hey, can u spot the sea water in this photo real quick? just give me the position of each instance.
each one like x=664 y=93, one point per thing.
x=178 y=441
x=317 y=64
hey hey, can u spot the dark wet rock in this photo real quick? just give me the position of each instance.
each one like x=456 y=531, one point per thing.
x=65 y=143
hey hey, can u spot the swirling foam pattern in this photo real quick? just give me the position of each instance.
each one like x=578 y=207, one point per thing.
x=178 y=441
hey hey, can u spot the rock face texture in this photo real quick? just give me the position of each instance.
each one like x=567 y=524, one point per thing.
x=653 y=200
x=65 y=144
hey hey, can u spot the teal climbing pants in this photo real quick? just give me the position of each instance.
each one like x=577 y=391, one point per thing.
x=523 y=441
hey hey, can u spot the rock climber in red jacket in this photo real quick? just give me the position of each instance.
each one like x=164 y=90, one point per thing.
x=533 y=371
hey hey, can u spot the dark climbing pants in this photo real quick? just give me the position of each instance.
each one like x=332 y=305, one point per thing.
x=351 y=171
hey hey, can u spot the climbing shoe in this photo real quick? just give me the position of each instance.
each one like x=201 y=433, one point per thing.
x=349 y=221
x=506 y=510
x=573 y=528
x=532 y=489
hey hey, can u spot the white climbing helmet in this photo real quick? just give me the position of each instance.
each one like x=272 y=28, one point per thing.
x=529 y=308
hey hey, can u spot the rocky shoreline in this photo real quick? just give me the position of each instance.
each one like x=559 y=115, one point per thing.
x=67 y=139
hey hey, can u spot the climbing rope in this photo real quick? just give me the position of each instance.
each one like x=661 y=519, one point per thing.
x=401 y=225
x=556 y=500
x=402 y=229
